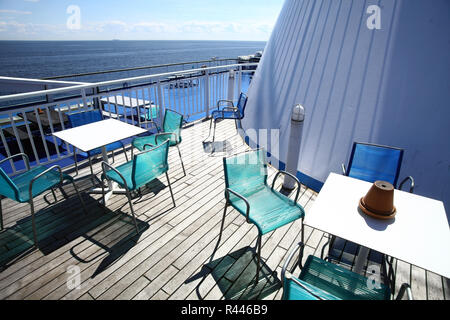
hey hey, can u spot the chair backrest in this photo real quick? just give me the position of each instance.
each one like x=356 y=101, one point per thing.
x=150 y=164
x=242 y=103
x=371 y=162
x=245 y=171
x=7 y=187
x=173 y=121
x=82 y=118
x=152 y=112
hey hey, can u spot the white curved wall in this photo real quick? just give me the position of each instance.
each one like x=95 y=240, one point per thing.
x=388 y=86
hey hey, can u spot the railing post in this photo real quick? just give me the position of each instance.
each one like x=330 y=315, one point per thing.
x=207 y=93
x=295 y=140
x=160 y=100
x=231 y=79
x=240 y=80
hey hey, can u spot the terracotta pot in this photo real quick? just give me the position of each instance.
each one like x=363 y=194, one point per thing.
x=379 y=200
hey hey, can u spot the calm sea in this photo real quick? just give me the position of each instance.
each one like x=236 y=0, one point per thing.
x=41 y=59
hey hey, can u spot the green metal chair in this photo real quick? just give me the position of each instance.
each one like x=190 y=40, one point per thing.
x=144 y=167
x=171 y=129
x=248 y=192
x=323 y=280
x=30 y=184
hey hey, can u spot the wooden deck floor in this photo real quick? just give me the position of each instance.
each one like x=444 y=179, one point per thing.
x=176 y=256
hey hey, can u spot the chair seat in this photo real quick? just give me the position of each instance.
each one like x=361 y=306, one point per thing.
x=126 y=170
x=292 y=291
x=340 y=282
x=216 y=114
x=140 y=142
x=42 y=184
x=269 y=209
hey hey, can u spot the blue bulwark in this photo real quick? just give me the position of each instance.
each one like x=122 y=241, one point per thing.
x=308 y=181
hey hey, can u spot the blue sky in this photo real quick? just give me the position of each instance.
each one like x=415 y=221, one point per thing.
x=138 y=19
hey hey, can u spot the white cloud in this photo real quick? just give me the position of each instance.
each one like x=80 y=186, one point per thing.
x=144 y=30
x=15 y=11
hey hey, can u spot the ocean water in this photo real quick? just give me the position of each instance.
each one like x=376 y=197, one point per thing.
x=42 y=59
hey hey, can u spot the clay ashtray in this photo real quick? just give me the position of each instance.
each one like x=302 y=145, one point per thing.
x=379 y=201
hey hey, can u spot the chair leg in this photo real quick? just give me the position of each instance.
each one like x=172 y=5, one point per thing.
x=214 y=131
x=1 y=214
x=54 y=195
x=170 y=188
x=75 y=160
x=125 y=152
x=210 y=126
x=258 y=265
x=90 y=164
x=103 y=193
x=79 y=197
x=181 y=159
x=33 y=223
x=223 y=221
x=132 y=211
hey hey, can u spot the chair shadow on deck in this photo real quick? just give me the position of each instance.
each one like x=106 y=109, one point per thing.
x=111 y=233
x=235 y=275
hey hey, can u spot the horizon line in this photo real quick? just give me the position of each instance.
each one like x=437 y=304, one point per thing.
x=133 y=40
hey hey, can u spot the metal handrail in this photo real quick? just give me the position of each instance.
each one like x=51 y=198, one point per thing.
x=137 y=68
x=112 y=82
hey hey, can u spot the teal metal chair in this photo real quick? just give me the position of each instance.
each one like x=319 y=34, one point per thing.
x=248 y=192
x=144 y=167
x=323 y=280
x=171 y=129
x=25 y=187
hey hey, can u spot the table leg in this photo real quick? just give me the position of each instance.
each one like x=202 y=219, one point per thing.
x=361 y=259
x=112 y=186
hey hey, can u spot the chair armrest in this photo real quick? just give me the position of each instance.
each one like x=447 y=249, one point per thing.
x=299 y=185
x=234 y=109
x=224 y=101
x=289 y=276
x=230 y=108
x=411 y=188
x=165 y=134
x=153 y=123
x=24 y=156
x=30 y=188
x=289 y=258
x=405 y=288
x=149 y=145
x=107 y=165
x=227 y=195
x=344 y=171
x=152 y=147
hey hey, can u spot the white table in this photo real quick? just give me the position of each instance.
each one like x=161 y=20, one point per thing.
x=98 y=135
x=419 y=234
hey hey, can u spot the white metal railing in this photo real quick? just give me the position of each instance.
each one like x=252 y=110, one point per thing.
x=29 y=128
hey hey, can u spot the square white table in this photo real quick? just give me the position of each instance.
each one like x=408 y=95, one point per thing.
x=419 y=234
x=98 y=135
